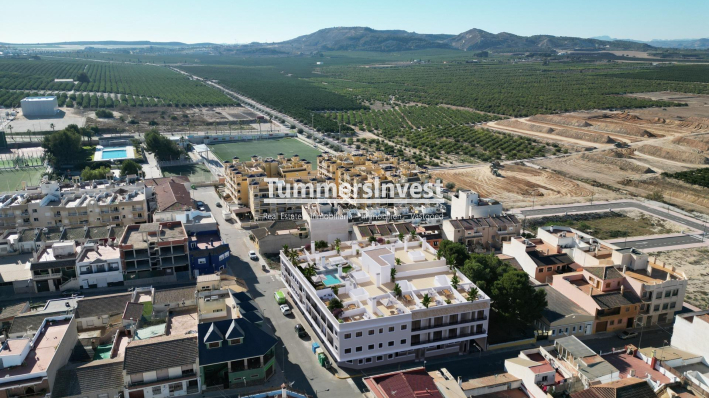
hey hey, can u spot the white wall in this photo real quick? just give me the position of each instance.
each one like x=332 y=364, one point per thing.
x=691 y=336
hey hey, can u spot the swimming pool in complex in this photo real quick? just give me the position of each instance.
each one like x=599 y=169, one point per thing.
x=331 y=280
x=114 y=153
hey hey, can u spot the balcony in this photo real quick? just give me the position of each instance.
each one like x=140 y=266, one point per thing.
x=444 y=325
x=449 y=338
x=43 y=277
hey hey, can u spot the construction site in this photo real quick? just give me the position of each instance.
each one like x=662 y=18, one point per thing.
x=613 y=154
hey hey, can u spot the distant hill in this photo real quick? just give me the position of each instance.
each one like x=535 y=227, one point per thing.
x=360 y=39
x=688 y=44
x=368 y=39
x=118 y=43
x=477 y=39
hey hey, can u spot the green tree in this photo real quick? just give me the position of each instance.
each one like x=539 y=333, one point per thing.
x=334 y=304
x=161 y=146
x=473 y=294
x=392 y=274
x=335 y=290
x=397 y=290
x=514 y=298
x=89 y=174
x=130 y=167
x=455 y=281
x=63 y=147
x=426 y=301
x=82 y=77
x=455 y=253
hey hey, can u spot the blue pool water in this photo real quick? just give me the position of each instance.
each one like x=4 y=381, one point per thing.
x=331 y=280
x=114 y=154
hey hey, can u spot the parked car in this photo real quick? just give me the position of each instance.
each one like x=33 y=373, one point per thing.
x=280 y=297
x=624 y=335
x=285 y=309
x=300 y=331
x=253 y=256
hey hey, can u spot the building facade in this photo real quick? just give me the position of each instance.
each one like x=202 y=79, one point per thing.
x=419 y=310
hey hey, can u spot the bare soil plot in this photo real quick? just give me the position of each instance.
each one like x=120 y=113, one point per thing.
x=522 y=186
x=693 y=262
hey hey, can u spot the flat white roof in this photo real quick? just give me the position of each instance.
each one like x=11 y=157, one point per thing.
x=40 y=98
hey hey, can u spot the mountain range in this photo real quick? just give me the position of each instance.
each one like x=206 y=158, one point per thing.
x=687 y=44
x=368 y=39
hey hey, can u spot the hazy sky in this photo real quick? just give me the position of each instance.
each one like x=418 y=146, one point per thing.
x=223 y=21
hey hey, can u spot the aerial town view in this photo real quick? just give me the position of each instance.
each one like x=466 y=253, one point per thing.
x=312 y=199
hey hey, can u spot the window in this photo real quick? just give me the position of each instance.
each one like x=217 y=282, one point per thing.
x=370 y=347
x=381 y=330
x=573 y=330
x=544 y=378
x=358 y=334
x=358 y=349
x=157 y=390
x=403 y=341
x=36 y=219
x=215 y=344
x=368 y=360
x=348 y=336
x=627 y=309
x=403 y=327
x=608 y=284
x=390 y=344
x=549 y=269
x=668 y=293
x=380 y=358
x=381 y=345
x=657 y=307
x=34 y=210
x=612 y=322
x=665 y=306
x=391 y=329
x=672 y=304
x=360 y=361
x=390 y=356
x=348 y=350
x=201 y=261
x=675 y=292
x=234 y=341
x=567 y=330
x=175 y=387
x=370 y=332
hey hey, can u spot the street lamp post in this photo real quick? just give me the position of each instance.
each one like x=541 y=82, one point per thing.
x=642 y=326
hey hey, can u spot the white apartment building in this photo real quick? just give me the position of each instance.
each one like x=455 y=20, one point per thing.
x=430 y=316
x=468 y=204
x=56 y=206
x=98 y=265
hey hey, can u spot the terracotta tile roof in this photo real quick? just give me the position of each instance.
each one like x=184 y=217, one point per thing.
x=172 y=196
x=153 y=182
x=413 y=383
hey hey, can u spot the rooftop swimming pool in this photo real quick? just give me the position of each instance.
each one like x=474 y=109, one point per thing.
x=331 y=280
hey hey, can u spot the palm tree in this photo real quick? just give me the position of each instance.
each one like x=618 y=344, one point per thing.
x=337 y=245
x=413 y=234
x=286 y=250
x=455 y=281
x=473 y=293
x=392 y=274
x=397 y=290
x=401 y=236
x=426 y=301
x=372 y=239
x=398 y=261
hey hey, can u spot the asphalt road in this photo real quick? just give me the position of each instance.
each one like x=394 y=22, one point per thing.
x=295 y=361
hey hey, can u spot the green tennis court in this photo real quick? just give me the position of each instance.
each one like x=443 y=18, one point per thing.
x=11 y=180
x=195 y=172
x=266 y=148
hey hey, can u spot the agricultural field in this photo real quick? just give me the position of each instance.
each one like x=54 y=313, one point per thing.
x=133 y=85
x=677 y=73
x=195 y=172
x=266 y=148
x=409 y=117
x=299 y=98
x=506 y=89
x=435 y=144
